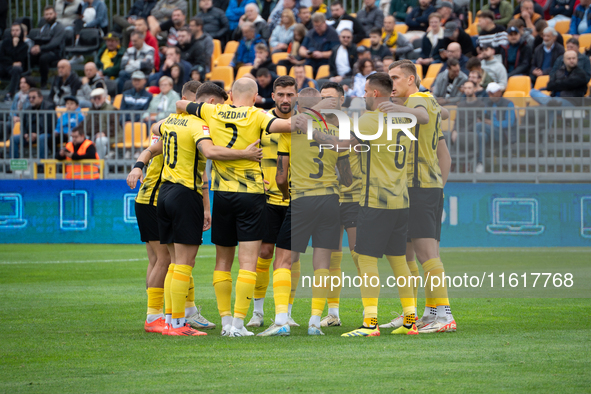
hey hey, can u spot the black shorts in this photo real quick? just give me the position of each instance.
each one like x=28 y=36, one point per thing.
x=349 y=212
x=284 y=235
x=147 y=221
x=237 y=217
x=316 y=217
x=180 y=215
x=426 y=208
x=381 y=232
x=274 y=216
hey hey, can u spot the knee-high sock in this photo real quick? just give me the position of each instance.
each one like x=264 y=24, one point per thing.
x=400 y=268
x=335 y=270
x=179 y=288
x=167 y=294
x=244 y=292
x=191 y=295
x=222 y=285
x=414 y=271
x=155 y=300
x=438 y=296
x=320 y=290
x=281 y=289
x=295 y=280
x=260 y=288
x=355 y=256
x=369 y=295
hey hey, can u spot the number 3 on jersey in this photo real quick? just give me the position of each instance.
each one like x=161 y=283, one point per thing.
x=320 y=172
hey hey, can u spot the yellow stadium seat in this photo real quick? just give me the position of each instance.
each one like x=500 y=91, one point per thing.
x=427 y=82
x=231 y=47
x=448 y=124
x=419 y=70
x=519 y=99
x=16 y=130
x=354 y=15
x=323 y=71
x=519 y=83
x=400 y=28
x=224 y=59
x=433 y=70
x=562 y=26
x=584 y=42
x=242 y=71
x=542 y=82
x=281 y=70
x=217 y=51
x=117 y=101
x=365 y=42
x=134 y=135
x=276 y=57
x=472 y=30
x=225 y=74
x=309 y=72
x=470 y=21
x=565 y=38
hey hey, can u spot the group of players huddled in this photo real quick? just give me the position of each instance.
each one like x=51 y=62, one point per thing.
x=275 y=186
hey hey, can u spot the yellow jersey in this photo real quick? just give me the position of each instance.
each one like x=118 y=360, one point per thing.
x=352 y=193
x=270 y=145
x=423 y=164
x=383 y=163
x=312 y=171
x=183 y=162
x=234 y=128
x=148 y=193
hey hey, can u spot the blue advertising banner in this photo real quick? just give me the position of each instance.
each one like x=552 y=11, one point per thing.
x=475 y=215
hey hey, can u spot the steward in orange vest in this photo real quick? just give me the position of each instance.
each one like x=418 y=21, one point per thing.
x=80 y=149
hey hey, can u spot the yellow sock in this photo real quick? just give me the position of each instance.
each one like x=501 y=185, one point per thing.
x=244 y=292
x=295 y=279
x=434 y=267
x=222 y=285
x=414 y=271
x=335 y=270
x=191 y=295
x=167 y=295
x=155 y=300
x=369 y=295
x=281 y=289
x=260 y=288
x=400 y=268
x=179 y=287
x=320 y=290
x=355 y=256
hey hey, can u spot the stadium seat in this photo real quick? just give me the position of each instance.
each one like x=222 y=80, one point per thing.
x=279 y=56
x=584 y=42
x=224 y=59
x=309 y=72
x=433 y=70
x=231 y=47
x=519 y=99
x=542 y=82
x=135 y=133
x=566 y=37
x=217 y=51
x=225 y=74
x=519 y=83
x=472 y=30
x=323 y=71
x=470 y=20
x=400 y=28
x=354 y=15
x=242 y=71
x=117 y=101
x=562 y=27
x=89 y=41
x=427 y=82
x=16 y=130
x=447 y=125
x=419 y=70
x=281 y=70
x=365 y=42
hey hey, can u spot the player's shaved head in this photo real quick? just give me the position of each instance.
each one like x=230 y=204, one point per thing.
x=244 y=88
x=309 y=92
x=309 y=97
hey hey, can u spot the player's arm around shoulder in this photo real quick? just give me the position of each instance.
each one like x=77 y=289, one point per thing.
x=281 y=177
x=137 y=172
x=420 y=112
x=213 y=152
x=345 y=173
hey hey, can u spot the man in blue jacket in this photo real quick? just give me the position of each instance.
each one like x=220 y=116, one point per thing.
x=235 y=10
x=580 y=23
x=245 y=53
x=418 y=18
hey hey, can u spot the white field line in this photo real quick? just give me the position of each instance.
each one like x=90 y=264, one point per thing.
x=79 y=261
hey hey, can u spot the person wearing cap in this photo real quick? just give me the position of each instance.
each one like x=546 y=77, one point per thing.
x=493 y=66
x=397 y=43
x=516 y=54
x=447 y=85
x=454 y=34
x=138 y=57
x=496 y=123
x=101 y=122
x=90 y=81
x=135 y=99
x=489 y=33
x=501 y=9
x=545 y=55
x=109 y=56
x=69 y=119
x=65 y=83
x=418 y=18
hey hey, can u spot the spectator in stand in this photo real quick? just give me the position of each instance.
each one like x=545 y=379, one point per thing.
x=366 y=67
x=341 y=20
x=581 y=19
x=282 y=35
x=195 y=76
x=496 y=123
x=90 y=81
x=21 y=99
x=162 y=12
x=162 y=104
x=539 y=33
x=202 y=43
x=465 y=122
x=446 y=86
x=235 y=11
x=397 y=43
x=109 y=56
x=65 y=83
x=476 y=79
x=173 y=56
x=36 y=126
x=299 y=33
x=141 y=26
x=370 y=16
x=13 y=58
x=454 y=51
x=319 y=6
x=215 y=22
x=178 y=77
x=561 y=10
x=546 y=54
x=265 y=82
x=299 y=70
x=490 y=33
x=262 y=59
x=318 y=44
x=186 y=45
x=94 y=15
x=68 y=12
x=276 y=19
x=418 y=18
x=69 y=119
x=493 y=66
x=453 y=34
x=135 y=99
x=222 y=4
x=526 y=34
x=172 y=26
x=527 y=14
x=342 y=60
x=98 y=125
x=583 y=61
x=245 y=53
x=305 y=16
x=537 y=8
x=430 y=40
x=475 y=68
x=140 y=8
x=445 y=9
x=400 y=8
x=48 y=45
x=386 y=62
x=251 y=14
x=138 y=57
x=377 y=50
x=517 y=54
x=502 y=11
x=79 y=148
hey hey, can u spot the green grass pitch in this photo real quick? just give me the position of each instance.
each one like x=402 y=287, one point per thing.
x=73 y=322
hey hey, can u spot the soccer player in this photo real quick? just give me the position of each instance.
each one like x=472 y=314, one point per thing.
x=239 y=198
x=426 y=177
x=284 y=90
x=314 y=199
